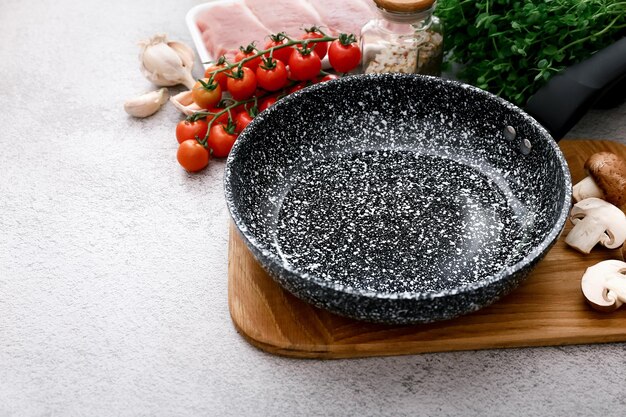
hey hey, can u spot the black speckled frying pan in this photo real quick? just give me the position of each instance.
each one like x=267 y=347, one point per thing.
x=397 y=198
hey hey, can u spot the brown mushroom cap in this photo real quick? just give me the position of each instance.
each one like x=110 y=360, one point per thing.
x=609 y=173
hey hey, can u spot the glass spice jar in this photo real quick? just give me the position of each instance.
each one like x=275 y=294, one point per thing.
x=405 y=37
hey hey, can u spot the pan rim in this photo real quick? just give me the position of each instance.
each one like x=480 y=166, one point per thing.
x=274 y=262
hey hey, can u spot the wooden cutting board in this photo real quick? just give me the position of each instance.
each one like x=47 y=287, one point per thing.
x=547 y=309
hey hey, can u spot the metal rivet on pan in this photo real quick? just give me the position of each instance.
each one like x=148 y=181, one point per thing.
x=509 y=133
x=525 y=146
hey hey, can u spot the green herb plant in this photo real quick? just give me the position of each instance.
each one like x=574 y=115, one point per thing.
x=512 y=47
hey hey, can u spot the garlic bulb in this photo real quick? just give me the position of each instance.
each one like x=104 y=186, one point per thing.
x=184 y=102
x=146 y=104
x=166 y=63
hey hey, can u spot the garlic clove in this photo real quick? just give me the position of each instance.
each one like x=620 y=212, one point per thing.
x=184 y=52
x=161 y=65
x=146 y=104
x=166 y=65
x=187 y=57
x=184 y=102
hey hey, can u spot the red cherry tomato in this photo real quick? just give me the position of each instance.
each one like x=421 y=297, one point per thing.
x=281 y=54
x=344 y=54
x=221 y=140
x=271 y=78
x=186 y=130
x=206 y=94
x=222 y=118
x=242 y=120
x=304 y=66
x=320 y=48
x=192 y=156
x=267 y=102
x=243 y=87
x=329 y=77
x=247 y=52
x=296 y=87
x=240 y=108
x=219 y=77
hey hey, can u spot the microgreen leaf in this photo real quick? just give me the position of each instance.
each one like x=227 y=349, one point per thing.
x=512 y=48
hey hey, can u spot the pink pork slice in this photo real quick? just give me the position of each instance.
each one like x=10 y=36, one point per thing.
x=289 y=16
x=347 y=16
x=226 y=26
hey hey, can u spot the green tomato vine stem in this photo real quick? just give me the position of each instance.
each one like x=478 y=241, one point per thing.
x=228 y=66
x=290 y=42
x=228 y=109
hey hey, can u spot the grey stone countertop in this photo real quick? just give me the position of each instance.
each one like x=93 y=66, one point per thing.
x=113 y=285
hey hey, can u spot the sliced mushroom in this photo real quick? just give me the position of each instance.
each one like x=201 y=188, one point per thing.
x=596 y=221
x=604 y=285
x=606 y=180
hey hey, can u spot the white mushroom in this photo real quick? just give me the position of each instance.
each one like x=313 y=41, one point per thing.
x=606 y=180
x=604 y=285
x=596 y=221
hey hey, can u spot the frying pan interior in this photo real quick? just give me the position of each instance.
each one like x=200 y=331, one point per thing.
x=396 y=186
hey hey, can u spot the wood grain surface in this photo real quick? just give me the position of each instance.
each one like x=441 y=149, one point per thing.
x=547 y=309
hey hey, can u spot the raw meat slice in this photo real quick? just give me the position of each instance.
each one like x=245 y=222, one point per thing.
x=227 y=25
x=346 y=16
x=289 y=16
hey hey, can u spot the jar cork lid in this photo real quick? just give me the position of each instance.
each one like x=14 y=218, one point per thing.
x=404 y=6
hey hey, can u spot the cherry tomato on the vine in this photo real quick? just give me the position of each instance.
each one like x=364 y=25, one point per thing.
x=219 y=77
x=206 y=94
x=241 y=107
x=281 y=54
x=304 y=64
x=344 y=53
x=192 y=156
x=267 y=102
x=271 y=75
x=320 y=48
x=242 y=120
x=186 y=130
x=222 y=118
x=296 y=87
x=242 y=84
x=248 y=52
x=329 y=77
x=221 y=139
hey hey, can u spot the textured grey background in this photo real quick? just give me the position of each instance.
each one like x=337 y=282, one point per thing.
x=113 y=297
